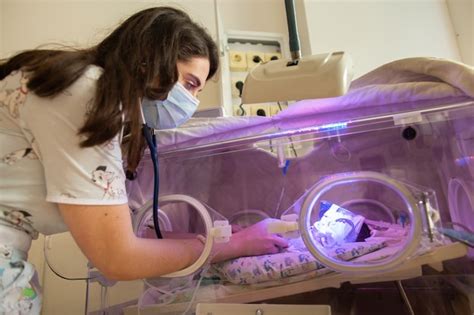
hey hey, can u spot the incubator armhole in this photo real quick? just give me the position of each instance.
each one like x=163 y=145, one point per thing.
x=310 y=209
x=140 y=217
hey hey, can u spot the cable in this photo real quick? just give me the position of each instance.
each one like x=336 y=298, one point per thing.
x=195 y=291
x=54 y=271
x=453 y=224
x=86 y=279
x=292 y=146
x=240 y=86
x=86 y=303
x=465 y=235
x=279 y=106
x=242 y=110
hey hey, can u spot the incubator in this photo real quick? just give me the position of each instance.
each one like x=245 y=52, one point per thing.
x=362 y=194
x=353 y=194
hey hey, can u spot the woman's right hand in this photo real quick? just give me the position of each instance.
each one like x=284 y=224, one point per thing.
x=255 y=240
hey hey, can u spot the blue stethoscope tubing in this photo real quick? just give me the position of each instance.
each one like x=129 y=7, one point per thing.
x=149 y=135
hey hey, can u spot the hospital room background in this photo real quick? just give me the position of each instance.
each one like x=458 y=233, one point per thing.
x=373 y=32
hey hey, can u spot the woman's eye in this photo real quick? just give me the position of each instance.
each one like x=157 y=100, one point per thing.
x=189 y=86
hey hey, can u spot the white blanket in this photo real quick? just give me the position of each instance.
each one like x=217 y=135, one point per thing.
x=401 y=81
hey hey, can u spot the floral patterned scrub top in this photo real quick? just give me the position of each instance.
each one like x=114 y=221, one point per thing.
x=41 y=162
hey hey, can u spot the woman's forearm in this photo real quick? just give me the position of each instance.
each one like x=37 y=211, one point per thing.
x=225 y=251
x=106 y=237
x=148 y=258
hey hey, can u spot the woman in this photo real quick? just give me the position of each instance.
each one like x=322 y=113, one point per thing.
x=62 y=115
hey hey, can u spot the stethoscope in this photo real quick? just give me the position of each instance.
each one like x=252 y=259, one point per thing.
x=149 y=134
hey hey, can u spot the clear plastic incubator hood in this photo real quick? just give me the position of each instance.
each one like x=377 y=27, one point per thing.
x=357 y=194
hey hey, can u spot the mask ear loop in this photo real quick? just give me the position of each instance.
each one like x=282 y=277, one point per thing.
x=149 y=134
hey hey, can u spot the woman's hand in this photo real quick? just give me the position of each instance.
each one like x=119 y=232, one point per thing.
x=255 y=240
x=251 y=241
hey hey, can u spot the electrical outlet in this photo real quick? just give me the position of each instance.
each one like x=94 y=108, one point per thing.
x=254 y=58
x=272 y=56
x=260 y=110
x=238 y=61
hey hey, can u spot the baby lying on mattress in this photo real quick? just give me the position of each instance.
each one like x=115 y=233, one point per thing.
x=346 y=236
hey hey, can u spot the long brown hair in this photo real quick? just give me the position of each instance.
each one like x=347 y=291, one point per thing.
x=139 y=60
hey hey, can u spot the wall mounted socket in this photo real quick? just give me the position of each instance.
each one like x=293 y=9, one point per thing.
x=272 y=56
x=260 y=110
x=254 y=58
x=237 y=60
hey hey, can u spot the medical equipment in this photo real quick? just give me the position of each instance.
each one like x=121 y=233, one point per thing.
x=317 y=76
x=149 y=135
x=399 y=174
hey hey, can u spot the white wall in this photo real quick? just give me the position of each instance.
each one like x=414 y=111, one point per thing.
x=31 y=23
x=375 y=32
x=81 y=23
x=1 y=29
x=462 y=16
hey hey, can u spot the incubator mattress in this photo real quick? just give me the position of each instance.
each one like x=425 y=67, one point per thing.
x=257 y=269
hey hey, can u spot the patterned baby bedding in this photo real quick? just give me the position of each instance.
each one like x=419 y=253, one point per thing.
x=294 y=261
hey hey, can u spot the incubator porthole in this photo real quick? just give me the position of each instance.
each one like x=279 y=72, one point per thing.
x=181 y=215
x=350 y=215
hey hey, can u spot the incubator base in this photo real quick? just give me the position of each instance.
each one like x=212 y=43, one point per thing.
x=261 y=309
x=235 y=294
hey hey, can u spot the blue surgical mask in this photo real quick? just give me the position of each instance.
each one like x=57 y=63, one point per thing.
x=172 y=112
